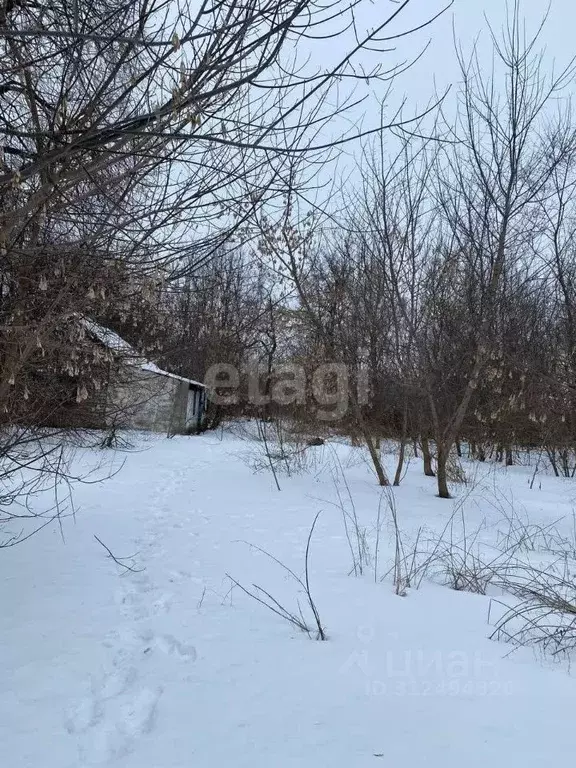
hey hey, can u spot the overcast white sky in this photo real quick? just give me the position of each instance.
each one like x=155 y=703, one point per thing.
x=467 y=16
x=438 y=68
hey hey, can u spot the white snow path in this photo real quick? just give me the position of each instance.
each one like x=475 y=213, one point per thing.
x=169 y=668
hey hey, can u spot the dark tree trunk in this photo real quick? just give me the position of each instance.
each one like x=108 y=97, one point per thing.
x=401 y=455
x=427 y=458
x=441 y=476
x=370 y=443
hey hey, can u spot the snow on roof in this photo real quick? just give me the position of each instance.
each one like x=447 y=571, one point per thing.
x=116 y=343
x=153 y=368
x=110 y=339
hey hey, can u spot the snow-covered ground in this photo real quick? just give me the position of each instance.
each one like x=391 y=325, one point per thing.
x=171 y=666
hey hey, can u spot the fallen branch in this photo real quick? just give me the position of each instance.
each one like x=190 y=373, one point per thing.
x=119 y=560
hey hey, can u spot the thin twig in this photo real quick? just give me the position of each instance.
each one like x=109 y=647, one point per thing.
x=118 y=560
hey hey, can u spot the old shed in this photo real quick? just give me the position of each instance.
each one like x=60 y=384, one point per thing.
x=141 y=395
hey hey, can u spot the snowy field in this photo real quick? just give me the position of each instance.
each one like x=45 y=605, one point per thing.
x=171 y=665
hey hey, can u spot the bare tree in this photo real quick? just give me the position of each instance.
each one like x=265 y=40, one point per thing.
x=135 y=140
x=489 y=184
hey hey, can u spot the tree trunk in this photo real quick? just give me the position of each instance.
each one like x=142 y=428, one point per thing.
x=368 y=439
x=509 y=456
x=441 y=461
x=427 y=457
x=400 y=465
x=380 y=474
x=552 y=457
